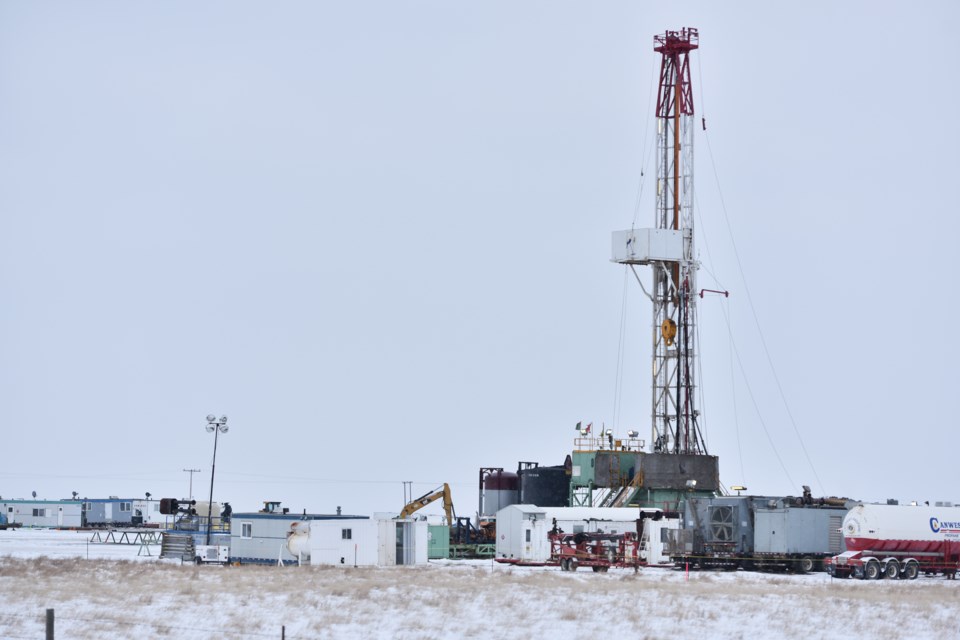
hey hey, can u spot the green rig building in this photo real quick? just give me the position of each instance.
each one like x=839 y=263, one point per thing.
x=609 y=472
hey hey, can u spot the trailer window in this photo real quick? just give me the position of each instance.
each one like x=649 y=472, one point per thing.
x=528 y=535
x=246 y=530
x=124 y=506
x=87 y=506
x=347 y=534
x=40 y=513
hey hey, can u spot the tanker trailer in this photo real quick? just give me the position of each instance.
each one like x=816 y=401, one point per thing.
x=898 y=541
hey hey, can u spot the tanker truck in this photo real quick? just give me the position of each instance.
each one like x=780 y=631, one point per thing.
x=898 y=541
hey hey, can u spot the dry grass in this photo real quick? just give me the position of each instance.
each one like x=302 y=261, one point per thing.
x=96 y=599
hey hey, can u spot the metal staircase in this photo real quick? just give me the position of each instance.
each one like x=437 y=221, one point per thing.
x=178 y=545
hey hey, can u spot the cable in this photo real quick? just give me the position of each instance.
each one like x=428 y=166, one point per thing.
x=757 y=408
x=719 y=285
x=733 y=392
x=618 y=382
x=643 y=149
x=756 y=319
x=746 y=288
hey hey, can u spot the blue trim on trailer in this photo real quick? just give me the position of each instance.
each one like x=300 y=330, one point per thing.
x=294 y=516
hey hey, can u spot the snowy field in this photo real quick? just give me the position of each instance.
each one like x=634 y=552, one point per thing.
x=108 y=591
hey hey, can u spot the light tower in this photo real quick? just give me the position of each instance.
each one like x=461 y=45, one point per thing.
x=668 y=249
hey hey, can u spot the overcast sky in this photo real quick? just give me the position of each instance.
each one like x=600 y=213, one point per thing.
x=376 y=235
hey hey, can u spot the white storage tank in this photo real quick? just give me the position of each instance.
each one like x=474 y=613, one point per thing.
x=882 y=526
x=500 y=489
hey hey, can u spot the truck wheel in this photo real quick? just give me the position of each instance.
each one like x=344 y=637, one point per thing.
x=910 y=570
x=572 y=564
x=891 y=570
x=563 y=565
x=806 y=565
x=871 y=570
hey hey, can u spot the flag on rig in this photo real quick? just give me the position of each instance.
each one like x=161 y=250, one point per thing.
x=578 y=426
x=586 y=431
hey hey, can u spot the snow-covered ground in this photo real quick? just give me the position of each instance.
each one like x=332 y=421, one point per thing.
x=109 y=591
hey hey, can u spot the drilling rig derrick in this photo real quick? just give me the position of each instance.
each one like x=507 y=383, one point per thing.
x=669 y=250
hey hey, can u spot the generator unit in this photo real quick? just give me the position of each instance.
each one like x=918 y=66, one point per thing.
x=759 y=532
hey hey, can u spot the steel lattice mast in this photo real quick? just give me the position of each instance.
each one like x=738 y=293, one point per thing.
x=668 y=248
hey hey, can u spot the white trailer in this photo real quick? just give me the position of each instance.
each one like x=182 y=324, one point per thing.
x=147 y=513
x=62 y=514
x=523 y=530
x=354 y=543
x=359 y=542
x=898 y=541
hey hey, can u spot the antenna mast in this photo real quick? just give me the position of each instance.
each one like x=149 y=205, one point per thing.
x=668 y=249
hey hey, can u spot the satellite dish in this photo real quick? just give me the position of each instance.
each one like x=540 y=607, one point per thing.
x=210 y=428
x=211 y=418
x=224 y=428
x=34 y=494
x=223 y=419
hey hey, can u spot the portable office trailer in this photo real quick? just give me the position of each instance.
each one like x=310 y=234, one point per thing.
x=262 y=537
x=352 y=543
x=43 y=513
x=383 y=542
x=147 y=513
x=107 y=512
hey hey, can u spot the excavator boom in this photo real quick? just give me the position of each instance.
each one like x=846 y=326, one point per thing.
x=440 y=492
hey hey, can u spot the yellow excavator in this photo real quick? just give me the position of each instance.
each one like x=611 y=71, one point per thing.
x=432 y=496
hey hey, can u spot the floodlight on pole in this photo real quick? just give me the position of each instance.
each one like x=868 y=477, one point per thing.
x=217 y=427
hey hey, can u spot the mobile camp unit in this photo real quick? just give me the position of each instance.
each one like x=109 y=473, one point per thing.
x=43 y=513
x=107 y=512
x=319 y=539
x=261 y=538
x=147 y=513
x=382 y=542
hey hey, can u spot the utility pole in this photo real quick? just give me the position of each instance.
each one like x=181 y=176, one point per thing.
x=191 y=472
